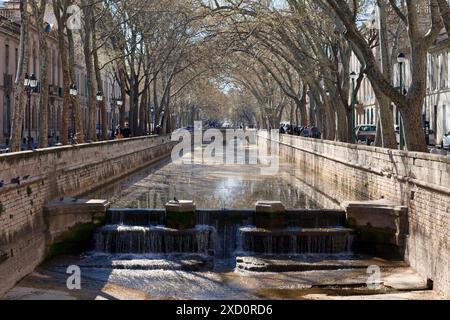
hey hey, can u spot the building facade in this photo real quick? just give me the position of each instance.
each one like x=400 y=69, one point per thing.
x=9 y=51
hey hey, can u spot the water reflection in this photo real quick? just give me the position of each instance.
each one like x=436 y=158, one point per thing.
x=210 y=186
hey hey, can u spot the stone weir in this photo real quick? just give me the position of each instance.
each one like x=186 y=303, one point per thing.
x=224 y=233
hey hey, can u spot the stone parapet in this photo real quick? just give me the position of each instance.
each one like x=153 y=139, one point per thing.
x=30 y=180
x=418 y=181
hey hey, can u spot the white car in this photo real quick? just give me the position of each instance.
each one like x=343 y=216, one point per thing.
x=446 y=141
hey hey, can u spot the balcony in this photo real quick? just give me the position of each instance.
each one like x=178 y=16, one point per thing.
x=10 y=14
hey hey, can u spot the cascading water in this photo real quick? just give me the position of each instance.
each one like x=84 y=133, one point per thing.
x=154 y=239
x=295 y=241
x=223 y=234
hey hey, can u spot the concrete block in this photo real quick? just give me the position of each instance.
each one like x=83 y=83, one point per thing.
x=181 y=214
x=270 y=215
x=269 y=207
x=180 y=206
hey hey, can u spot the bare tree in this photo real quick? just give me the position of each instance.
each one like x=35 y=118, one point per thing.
x=20 y=96
x=39 y=8
x=410 y=105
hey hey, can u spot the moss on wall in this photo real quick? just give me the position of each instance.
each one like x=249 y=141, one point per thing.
x=76 y=240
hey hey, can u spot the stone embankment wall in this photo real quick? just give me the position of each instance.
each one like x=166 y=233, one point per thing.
x=29 y=180
x=419 y=181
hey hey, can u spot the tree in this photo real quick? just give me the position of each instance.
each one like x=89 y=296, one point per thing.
x=419 y=42
x=20 y=96
x=39 y=8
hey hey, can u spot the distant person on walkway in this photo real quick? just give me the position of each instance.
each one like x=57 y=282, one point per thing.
x=126 y=132
x=118 y=133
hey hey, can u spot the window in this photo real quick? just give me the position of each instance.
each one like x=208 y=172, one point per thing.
x=444 y=70
x=7 y=57
x=435 y=66
x=17 y=60
x=53 y=68
x=6 y=115
x=444 y=119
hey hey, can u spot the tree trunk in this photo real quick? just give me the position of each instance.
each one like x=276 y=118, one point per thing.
x=414 y=133
x=123 y=93
x=99 y=80
x=342 y=124
x=76 y=106
x=20 y=99
x=88 y=60
x=143 y=110
x=386 y=123
x=61 y=16
x=444 y=8
x=134 y=105
x=39 y=12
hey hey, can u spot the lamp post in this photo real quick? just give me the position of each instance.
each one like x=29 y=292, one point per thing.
x=401 y=59
x=119 y=103
x=353 y=77
x=30 y=84
x=99 y=98
x=152 y=128
x=73 y=93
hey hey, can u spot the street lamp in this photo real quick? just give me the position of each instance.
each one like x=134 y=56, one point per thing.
x=152 y=125
x=119 y=103
x=99 y=98
x=353 y=77
x=73 y=91
x=30 y=84
x=401 y=59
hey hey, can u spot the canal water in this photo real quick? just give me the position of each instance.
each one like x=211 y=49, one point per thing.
x=118 y=264
x=210 y=186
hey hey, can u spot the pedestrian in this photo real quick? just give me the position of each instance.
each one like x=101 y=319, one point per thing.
x=126 y=132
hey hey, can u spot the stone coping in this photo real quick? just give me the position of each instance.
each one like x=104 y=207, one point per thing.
x=28 y=153
x=411 y=154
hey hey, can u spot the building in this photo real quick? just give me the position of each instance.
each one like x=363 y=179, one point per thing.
x=9 y=48
x=436 y=109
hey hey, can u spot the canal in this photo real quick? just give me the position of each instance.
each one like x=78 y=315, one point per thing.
x=211 y=186
x=302 y=275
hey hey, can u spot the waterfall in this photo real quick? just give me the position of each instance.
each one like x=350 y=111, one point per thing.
x=154 y=239
x=295 y=241
x=224 y=234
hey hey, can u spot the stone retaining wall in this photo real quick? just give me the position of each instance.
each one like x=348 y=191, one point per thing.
x=419 y=181
x=28 y=180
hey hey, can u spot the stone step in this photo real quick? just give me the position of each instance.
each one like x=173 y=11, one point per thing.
x=312 y=262
x=342 y=281
x=180 y=262
x=296 y=231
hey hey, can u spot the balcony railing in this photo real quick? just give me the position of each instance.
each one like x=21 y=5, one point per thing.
x=10 y=14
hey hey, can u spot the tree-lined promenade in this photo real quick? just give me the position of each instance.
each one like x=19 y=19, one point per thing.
x=252 y=62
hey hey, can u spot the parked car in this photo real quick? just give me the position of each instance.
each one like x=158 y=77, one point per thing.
x=366 y=134
x=226 y=125
x=446 y=141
